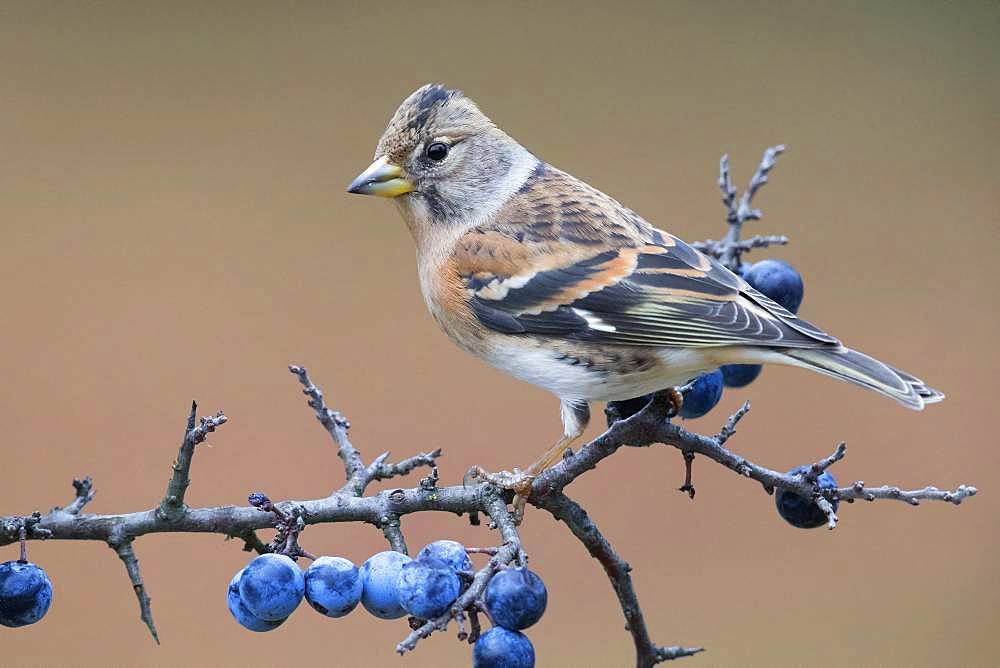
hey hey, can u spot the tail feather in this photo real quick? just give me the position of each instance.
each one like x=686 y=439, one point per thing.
x=860 y=369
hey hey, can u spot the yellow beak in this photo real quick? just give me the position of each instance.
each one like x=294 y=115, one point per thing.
x=382 y=178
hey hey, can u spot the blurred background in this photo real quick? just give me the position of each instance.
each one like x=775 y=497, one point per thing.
x=174 y=226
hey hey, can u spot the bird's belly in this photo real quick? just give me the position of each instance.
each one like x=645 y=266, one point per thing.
x=597 y=373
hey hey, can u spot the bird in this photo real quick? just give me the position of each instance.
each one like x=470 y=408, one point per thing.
x=558 y=284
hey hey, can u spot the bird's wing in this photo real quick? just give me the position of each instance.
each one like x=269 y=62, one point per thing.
x=564 y=260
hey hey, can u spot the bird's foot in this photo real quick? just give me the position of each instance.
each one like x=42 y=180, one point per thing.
x=513 y=480
x=516 y=481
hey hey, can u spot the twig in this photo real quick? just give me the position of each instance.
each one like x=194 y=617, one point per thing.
x=757 y=181
x=122 y=545
x=380 y=470
x=838 y=453
x=84 y=494
x=730 y=248
x=647 y=653
x=358 y=475
x=474 y=627
x=806 y=485
x=172 y=507
x=688 y=486
x=288 y=526
x=911 y=497
x=335 y=423
x=728 y=190
x=482 y=550
x=717 y=247
x=393 y=533
x=729 y=429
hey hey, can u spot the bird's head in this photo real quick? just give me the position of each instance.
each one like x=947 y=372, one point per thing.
x=442 y=159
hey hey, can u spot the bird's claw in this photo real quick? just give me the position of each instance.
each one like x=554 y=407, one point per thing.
x=516 y=481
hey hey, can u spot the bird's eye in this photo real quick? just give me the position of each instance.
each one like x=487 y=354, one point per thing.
x=437 y=151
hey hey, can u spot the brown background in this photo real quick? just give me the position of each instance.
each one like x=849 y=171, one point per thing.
x=174 y=225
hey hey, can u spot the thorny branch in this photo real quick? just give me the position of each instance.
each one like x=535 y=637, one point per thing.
x=647 y=427
x=358 y=475
x=384 y=510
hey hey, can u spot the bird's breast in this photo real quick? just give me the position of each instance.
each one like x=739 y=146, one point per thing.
x=446 y=300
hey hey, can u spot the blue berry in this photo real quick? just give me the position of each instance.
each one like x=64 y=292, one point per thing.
x=739 y=375
x=272 y=587
x=449 y=551
x=500 y=648
x=800 y=511
x=515 y=598
x=779 y=281
x=626 y=408
x=239 y=611
x=380 y=573
x=703 y=395
x=333 y=586
x=25 y=593
x=257 y=499
x=427 y=587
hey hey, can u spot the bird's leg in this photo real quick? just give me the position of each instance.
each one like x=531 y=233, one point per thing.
x=575 y=416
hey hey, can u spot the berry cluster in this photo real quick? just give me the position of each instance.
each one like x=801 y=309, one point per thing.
x=391 y=585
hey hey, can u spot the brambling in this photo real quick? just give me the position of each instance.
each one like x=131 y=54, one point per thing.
x=556 y=283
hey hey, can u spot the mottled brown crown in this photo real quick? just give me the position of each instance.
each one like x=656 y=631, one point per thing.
x=431 y=111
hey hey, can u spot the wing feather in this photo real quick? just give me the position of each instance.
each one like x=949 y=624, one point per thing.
x=631 y=284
